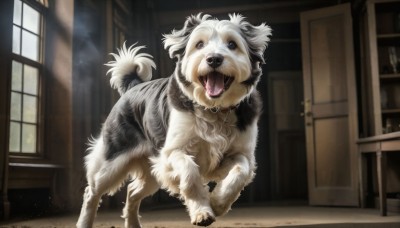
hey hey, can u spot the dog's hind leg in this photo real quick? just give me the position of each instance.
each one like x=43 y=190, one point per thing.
x=104 y=176
x=89 y=208
x=143 y=185
x=105 y=181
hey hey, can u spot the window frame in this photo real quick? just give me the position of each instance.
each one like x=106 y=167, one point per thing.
x=42 y=9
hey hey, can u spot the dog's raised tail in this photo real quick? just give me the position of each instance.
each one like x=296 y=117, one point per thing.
x=130 y=68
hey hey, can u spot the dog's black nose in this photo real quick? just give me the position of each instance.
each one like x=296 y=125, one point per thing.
x=214 y=60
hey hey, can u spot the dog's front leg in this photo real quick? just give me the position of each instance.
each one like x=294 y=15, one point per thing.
x=180 y=174
x=235 y=172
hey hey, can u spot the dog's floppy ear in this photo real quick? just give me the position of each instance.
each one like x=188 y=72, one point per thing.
x=257 y=37
x=176 y=42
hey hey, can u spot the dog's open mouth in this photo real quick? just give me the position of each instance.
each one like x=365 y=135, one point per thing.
x=216 y=83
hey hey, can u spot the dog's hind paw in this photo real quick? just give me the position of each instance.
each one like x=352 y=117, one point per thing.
x=203 y=219
x=218 y=207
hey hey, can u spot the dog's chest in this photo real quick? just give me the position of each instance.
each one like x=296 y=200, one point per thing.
x=202 y=134
x=215 y=134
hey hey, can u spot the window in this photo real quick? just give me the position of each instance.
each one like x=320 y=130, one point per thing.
x=26 y=76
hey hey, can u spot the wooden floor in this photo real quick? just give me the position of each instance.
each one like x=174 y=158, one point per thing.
x=277 y=216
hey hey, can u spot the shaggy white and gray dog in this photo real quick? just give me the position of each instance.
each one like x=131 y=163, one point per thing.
x=181 y=132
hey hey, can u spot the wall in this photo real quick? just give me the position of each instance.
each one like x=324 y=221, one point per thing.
x=58 y=115
x=5 y=72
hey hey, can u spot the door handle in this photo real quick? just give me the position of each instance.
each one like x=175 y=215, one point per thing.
x=308 y=114
x=307 y=108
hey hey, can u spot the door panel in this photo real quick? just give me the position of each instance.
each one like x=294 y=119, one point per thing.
x=331 y=153
x=328 y=59
x=330 y=106
x=287 y=136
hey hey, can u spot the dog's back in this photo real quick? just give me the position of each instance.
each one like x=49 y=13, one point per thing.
x=138 y=117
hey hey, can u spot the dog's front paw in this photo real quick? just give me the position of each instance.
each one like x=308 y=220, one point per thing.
x=203 y=218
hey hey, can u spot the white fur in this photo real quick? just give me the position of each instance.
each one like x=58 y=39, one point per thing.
x=127 y=61
x=260 y=34
x=107 y=177
x=200 y=149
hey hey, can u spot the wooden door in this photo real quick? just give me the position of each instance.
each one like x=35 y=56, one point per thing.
x=330 y=109
x=287 y=137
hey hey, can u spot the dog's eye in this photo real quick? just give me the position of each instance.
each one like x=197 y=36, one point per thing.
x=232 y=45
x=200 y=45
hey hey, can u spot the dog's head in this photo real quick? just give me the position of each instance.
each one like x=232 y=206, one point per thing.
x=218 y=62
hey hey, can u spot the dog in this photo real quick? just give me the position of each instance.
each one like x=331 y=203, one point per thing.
x=182 y=132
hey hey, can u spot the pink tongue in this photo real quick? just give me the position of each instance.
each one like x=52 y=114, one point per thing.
x=215 y=84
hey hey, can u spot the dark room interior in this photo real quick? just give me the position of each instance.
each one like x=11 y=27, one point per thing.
x=330 y=90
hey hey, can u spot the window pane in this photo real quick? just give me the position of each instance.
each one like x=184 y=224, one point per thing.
x=15 y=130
x=29 y=109
x=31 y=19
x=30 y=45
x=30 y=80
x=17 y=12
x=16 y=47
x=15 y=113
x=16 y=80
x=28 y=138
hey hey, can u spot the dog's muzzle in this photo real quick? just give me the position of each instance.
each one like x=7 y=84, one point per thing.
x=215 y=82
